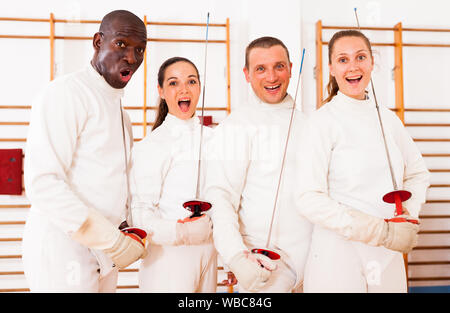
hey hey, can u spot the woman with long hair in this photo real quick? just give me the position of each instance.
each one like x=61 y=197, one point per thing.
x=343 y=175
x=181 y=255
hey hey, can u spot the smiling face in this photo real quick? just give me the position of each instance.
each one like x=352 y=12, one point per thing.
x=269 y=72
x=119 y=50
x=180 y=89
x=351 y=65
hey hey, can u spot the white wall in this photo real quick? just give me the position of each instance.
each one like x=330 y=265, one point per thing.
x=290 y=20
x=247 y=23
x=25 y=66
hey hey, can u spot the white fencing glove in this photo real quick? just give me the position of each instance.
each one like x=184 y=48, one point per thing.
x=402 y=236
x=252 y=270
x=99 y=233
x=194 y=231
x=127 y=249
x=375 y=231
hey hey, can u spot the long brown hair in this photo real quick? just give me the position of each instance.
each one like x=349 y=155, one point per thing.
x=163 y=109
x=332 y=87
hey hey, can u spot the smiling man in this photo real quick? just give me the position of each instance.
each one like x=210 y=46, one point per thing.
x=268 y=70
x=76 y=162
x=242 y=174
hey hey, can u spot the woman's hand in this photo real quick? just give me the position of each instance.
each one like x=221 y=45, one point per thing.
x=194 y=231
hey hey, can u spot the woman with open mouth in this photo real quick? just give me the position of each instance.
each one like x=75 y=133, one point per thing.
x=182 y=257
x=343 y=174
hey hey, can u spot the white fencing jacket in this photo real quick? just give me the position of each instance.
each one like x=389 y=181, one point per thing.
x=241 y=181
x=164 y=176
x=75 y=153
x=344 y=166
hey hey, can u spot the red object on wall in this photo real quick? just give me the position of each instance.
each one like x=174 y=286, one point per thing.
x=207 y=120
x=11 y=171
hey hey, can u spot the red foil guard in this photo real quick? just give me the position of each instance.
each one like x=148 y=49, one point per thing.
x=207 y=120
x=390 y=197
x=270 y=254
x=137 y=231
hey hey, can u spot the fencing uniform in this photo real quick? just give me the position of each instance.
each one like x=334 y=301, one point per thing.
x=74 y=161
x=344 y=166
x=163 y=177
x=242 y=176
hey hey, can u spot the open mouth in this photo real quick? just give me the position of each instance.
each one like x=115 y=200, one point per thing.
x=272 y=89
x=125 y=75
x=184 y=104
x=354 y=80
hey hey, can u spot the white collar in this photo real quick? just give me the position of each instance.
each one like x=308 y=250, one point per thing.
x=354 y=104
x=173 y=121
x=286 y=103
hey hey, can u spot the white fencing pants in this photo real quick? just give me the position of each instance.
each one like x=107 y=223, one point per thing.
x=334 y=265
x=53 y=262
x=179 y=269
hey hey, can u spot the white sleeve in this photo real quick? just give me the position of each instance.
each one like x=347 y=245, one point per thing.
x=416 y=177
x=57 y=119
x=150 y=163
x=313 y=159
x=226 y=169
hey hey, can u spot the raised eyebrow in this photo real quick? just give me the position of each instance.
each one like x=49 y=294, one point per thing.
x=363 y=50
x=125 y=37
x=195 y=76
x=123 y=34
x=120 y=36
x=277 y=63
x=346 y=54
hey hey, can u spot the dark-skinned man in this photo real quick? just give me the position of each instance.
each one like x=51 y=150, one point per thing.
x=76 y=171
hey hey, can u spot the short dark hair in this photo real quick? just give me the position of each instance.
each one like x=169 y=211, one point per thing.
x=264 y=42
x=109 y=18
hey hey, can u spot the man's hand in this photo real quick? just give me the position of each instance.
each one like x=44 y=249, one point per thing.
x=252 y=270
x=97 y=232
x=231 y=279
x=126 y=250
